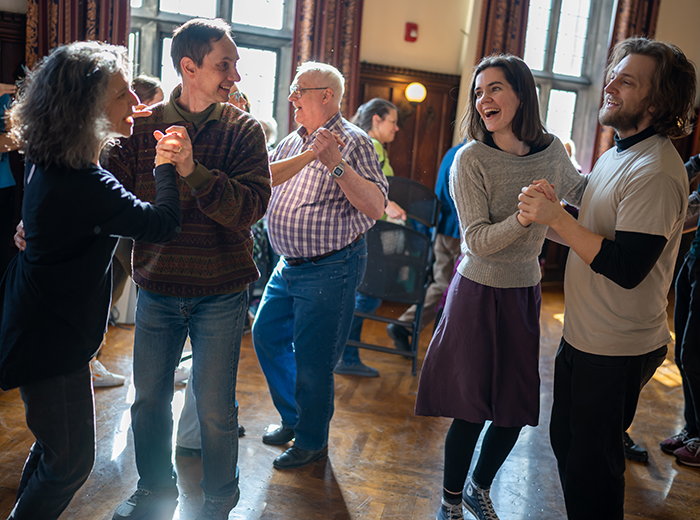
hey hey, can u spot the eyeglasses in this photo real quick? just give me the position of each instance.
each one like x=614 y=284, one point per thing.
x=297 y=90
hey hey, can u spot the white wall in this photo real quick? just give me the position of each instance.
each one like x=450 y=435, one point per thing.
x=440 y=41
x=13 y=6
x=678 y=24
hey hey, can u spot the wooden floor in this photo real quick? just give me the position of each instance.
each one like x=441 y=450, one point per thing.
x=384 y=463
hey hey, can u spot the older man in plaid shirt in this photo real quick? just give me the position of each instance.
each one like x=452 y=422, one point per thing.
x=324 y=198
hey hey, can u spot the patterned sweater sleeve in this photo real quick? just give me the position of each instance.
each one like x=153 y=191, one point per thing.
x=237 y=197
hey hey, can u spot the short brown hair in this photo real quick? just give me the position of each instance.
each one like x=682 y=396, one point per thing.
x=673 y=84
x=193 y=39
x=527 y=125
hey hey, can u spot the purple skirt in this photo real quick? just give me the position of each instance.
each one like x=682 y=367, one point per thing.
x=483 y=361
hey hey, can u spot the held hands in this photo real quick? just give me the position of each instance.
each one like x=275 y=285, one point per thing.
x=539 y=203
x=326 y=147
x=175 y=147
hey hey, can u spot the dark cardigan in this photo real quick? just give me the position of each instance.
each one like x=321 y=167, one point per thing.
x=55 y=295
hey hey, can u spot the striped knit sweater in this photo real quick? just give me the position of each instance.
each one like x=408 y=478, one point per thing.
x=227 y=193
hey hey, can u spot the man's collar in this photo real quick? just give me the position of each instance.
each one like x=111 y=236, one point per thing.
x=333 y=121
x=174 y=113
x=627 y=142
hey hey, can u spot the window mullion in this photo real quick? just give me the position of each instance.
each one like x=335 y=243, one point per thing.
x=225 y=10
x=552 y=36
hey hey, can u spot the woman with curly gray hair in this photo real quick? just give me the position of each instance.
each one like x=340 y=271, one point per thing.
x=55 y=296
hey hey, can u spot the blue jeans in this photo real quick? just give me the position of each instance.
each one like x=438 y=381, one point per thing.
x=299 y=332
x=215 y=327
x=60 y=414
x=363 y=303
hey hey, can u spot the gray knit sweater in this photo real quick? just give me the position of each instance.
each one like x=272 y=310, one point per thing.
x=485 y=183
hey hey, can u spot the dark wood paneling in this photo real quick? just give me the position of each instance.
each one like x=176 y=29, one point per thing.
x=426 y=128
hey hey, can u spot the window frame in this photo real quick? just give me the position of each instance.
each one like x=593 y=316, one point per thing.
x=153 y=26
x=588 y=86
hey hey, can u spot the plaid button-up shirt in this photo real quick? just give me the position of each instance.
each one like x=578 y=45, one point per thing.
x=309 y=215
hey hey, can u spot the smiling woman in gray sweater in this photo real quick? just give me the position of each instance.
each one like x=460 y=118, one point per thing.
x=482 y=363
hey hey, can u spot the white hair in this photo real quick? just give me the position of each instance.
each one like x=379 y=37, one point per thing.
x=327 y=74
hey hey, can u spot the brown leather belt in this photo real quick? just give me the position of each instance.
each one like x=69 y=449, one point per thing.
x=302 y=259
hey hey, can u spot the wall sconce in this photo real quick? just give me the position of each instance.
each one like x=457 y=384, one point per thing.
x=416 y=92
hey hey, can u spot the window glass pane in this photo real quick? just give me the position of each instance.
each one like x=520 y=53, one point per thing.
x=260 y=13
x=258 y=70
x=203 y=8
x=168 y=77
x=560 y=113
x=136 y=3
x=133 y=53
x=571 y=38
x=537 y=30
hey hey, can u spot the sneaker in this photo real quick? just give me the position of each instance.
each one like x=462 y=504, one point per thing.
x=478 y=502
x=450 y=511
x=679 y=440
x=689 y=455
x=146 y=504
x=182 y=374
x=634 y=451
x=400 y=335
x=218 y=510
x=101 y=377
x=358 y=369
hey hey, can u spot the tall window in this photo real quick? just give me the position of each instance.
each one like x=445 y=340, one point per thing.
x=262 y=30
x=565 y=46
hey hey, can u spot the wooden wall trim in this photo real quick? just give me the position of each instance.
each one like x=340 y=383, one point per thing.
x=400 y=74
x=13 y=27
x=426 y=129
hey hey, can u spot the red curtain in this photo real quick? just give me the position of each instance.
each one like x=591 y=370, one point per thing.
x=633 y=18
x=54 y=22
x=503 y=27
x=328 y=31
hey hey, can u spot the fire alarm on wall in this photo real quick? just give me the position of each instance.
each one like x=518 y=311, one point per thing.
x=411 y=32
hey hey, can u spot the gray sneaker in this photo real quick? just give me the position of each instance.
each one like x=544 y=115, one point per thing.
x=477 y=501
x=146 y=504
x=218 y=510
x=450 y=511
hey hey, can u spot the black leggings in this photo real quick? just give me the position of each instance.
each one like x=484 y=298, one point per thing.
x=459 y=449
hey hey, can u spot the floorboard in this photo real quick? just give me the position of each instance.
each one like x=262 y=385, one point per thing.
x=384 y=463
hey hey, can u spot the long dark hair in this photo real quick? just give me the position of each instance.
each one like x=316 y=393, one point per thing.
x=59 y=117
x=365 y=112
x=527 y=125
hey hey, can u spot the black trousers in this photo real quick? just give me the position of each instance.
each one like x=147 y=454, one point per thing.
x=60 y=414
x=595 y=399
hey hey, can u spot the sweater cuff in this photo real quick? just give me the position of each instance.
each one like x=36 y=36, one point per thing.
x=200 y=177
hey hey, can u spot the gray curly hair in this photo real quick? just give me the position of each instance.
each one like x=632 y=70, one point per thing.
x=59 y=117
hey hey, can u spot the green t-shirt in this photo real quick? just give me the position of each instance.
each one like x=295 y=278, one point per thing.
x=383 y=158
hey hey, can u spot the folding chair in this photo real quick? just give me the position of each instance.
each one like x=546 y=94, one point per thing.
x=399 y=259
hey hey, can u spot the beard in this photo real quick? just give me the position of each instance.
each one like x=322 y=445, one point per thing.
x=624 y=119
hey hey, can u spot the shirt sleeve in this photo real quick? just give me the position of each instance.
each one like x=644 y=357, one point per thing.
x=482 y=236
x=117 y=212
x=629 y=258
